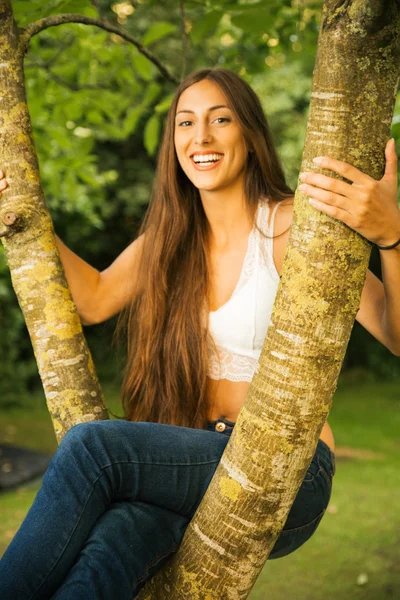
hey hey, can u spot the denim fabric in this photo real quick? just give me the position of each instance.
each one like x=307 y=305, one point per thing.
x=114 y=505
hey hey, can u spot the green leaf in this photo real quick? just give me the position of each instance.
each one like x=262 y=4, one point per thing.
x=151 y=134
x=61 y=137
x=94 y=117
x=73 y=110
x=254 y=20
x=87 y=177
x=157 y=32
x=395 y=131
x=143 y=67
x=131 y=120
x=70 y=184
x=205 y=26
x=114 y=132
x=165 y=104
x=70 y=6
x=84 y=148
x=151 y=93
x=26 y=12
x=35 y=104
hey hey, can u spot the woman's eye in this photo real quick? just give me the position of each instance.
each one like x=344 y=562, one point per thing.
x=218 y=120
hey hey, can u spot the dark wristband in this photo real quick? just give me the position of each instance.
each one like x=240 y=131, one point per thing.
x=388 y=247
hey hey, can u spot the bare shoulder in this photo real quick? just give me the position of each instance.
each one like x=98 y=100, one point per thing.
x=286 y=205
x=287 y=201
x=283 y=215
x=281 y=230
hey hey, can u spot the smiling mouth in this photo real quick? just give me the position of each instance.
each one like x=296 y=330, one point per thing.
x=206 y=160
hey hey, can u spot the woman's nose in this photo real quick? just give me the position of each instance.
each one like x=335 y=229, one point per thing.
x=202 y=135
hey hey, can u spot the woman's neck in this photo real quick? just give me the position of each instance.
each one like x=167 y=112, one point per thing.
x=228 y=218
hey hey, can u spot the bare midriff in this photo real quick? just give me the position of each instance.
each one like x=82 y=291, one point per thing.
x=225 y=399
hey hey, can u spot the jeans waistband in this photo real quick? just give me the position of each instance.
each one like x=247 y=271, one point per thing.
x=222 y=425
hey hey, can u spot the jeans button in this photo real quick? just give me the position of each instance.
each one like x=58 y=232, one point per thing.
x=220 y=426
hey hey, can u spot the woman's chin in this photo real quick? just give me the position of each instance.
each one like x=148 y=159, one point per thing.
x=210 y=187
x=204 y=184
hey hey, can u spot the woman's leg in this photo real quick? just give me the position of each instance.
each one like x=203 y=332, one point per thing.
x=129 y=543
x=97 y=464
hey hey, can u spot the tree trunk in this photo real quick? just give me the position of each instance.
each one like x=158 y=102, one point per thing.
x=65 y=365
x=248 y=500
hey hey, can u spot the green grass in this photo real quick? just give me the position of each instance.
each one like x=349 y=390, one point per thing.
x=359 y=535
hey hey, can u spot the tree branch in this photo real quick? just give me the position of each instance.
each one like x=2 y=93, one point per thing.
x=185 y=39
x=34 y=28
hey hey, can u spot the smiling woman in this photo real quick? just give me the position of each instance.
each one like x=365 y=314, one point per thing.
x=197 y=232
x=198 y=287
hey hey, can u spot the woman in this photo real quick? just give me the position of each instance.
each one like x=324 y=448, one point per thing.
x=118 y=495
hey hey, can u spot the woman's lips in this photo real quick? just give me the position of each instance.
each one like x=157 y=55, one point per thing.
x=200 y=167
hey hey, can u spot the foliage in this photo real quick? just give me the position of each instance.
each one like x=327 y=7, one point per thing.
x=98 y=106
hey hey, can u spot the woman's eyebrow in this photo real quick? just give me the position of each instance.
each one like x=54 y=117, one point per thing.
x=209 y=110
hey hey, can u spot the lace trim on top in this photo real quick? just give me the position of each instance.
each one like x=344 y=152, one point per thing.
x=230 y=366
x=235 y=367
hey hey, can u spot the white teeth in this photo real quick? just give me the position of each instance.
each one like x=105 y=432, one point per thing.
x=206 y=158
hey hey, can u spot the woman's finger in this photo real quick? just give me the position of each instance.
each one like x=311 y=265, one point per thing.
x=344 y=169
x=328 y=183
x=333 y=211
x=335 y=200
x=391 y=160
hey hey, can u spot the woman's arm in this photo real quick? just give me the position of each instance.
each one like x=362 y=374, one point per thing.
x=390 y=261
x=370 y=208
x=98 y=295
x=118 y=284
x=379 y=313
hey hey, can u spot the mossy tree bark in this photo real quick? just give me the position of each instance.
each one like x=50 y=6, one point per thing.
x=65 y=365
x=247 y=502
x=244 y=509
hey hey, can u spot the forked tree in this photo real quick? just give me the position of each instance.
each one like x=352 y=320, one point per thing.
x=247 y=502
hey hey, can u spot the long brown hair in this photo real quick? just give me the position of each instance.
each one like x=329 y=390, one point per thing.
x=166 y=322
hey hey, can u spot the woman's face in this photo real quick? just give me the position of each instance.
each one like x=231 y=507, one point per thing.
x=209 y=143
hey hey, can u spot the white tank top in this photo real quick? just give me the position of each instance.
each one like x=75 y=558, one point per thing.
x=239 y=326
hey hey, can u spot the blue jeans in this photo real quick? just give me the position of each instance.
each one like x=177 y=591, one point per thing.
x=114 y=505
